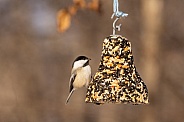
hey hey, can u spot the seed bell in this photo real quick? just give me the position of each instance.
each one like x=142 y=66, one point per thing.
x=117 y=80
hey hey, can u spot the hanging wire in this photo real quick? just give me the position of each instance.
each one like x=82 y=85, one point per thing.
x=118 y=15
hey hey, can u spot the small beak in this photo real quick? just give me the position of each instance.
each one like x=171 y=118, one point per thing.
x=89 y=58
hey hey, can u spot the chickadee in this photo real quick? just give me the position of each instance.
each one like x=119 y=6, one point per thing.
x=80 y=75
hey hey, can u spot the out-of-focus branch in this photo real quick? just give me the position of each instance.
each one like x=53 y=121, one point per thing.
x=64 y=15
x=151 y=26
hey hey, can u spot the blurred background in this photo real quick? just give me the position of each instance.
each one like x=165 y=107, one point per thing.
x=35 y=60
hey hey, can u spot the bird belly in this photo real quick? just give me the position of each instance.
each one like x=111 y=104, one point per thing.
x=82 y=79
x=80 y=82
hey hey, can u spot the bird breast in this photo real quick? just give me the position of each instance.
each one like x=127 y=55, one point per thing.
x=83 y=77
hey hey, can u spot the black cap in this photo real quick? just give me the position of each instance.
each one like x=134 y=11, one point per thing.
x=82 y=58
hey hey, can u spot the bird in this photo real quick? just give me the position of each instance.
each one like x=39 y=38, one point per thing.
x=80 y=75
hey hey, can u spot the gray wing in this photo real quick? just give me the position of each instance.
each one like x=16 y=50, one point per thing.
x=72 y=79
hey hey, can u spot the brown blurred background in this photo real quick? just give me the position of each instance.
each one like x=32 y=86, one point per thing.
x=35 y=60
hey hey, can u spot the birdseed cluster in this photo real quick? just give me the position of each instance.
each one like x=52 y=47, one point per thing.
x=117 y=80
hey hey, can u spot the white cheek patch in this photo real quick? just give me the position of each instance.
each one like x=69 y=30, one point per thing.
x=79 y=64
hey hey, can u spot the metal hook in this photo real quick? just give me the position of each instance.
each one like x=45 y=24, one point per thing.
x=118 y=14
x=116 y=27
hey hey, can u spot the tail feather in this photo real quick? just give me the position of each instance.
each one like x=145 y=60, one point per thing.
x=68 y=98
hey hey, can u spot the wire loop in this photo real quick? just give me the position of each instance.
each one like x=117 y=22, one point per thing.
x=118 y=15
